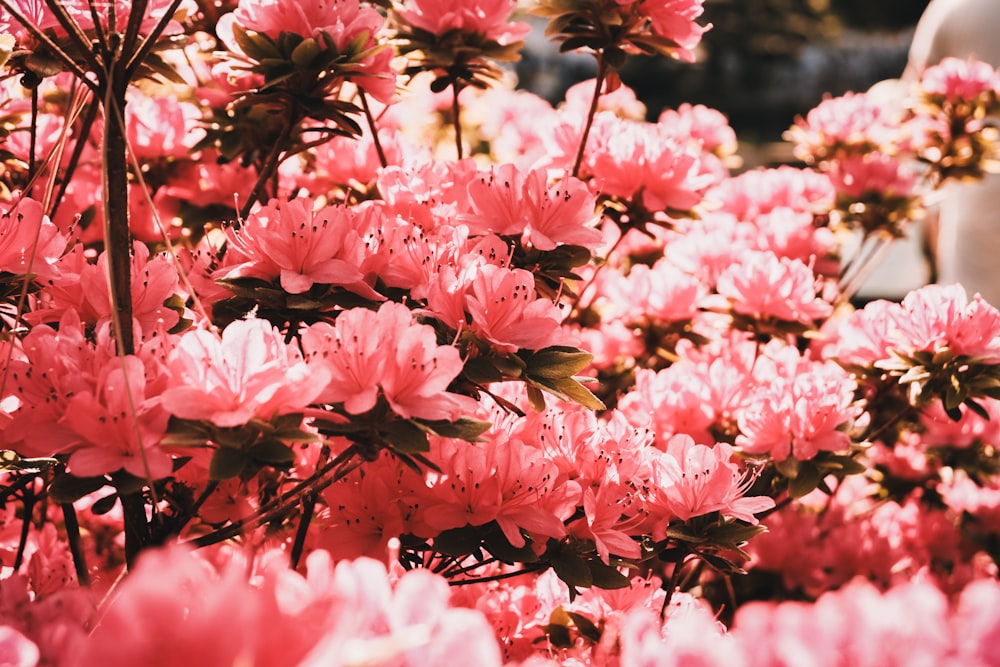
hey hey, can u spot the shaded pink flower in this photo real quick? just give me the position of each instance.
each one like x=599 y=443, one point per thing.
x=249 y=373
x=873 y=173
x=29 y=243
x=675 y=20
x=488 y=19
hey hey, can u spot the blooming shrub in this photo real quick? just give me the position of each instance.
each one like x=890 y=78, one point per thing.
x=322 y=344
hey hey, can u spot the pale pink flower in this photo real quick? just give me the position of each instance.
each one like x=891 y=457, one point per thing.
x=691 y=479
x=630 y=159
x=759 y=191
x=765 y=286
x=16 y=650
x=854 y=122
x=942 y=316
x=708 y=127
x=799 y=415
x=249 y=373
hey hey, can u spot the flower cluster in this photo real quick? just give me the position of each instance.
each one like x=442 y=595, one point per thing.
x=579 y=397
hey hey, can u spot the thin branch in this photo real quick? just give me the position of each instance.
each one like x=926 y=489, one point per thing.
x=455 y=119
x=279 y=506
x=75 y=544
x=373 y=128
x=602 y=72
x=308 y=508
x=130 y=40
x=74 y=32
x=150 y=40
x=527 y=569
x=36 y=32
x=269 y=167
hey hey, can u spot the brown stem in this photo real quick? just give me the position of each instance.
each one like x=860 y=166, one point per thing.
x=29 y=508
x=118 y=245
x=602 y=72
x=455 y=118
x=308 y=507
x=268 y=169
x=75 y=544
x=373 y=128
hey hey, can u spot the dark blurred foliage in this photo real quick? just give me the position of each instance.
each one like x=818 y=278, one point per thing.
x=765 y=61
x=762 y=63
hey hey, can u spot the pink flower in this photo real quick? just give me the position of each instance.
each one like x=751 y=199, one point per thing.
x=121 y=426
x=675 y=20
x=298 y=245
x=365 y=352
x=874 y=173
x=507 y=312
x=487 y=19
x=958 y=80
x=507 y=202
x=249 y=373
x=765 y=286
x=693 y=479
x=942 y=316
x=29 y=243
x=854 y=122
x=799 y=415
x=343 y=21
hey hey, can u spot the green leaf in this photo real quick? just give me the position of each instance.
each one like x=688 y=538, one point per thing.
x=606 y=576
x=272 y=452
x=585 y=626
x=66 y=488
x=458 y=541
x=573 y=570
x=481 y=370
x=807 y=480
x=535 y=398
x=227 y=463
x=558 y=362
x=406 y=436
x=463 y=429
x=105 y=504
x=305 y=53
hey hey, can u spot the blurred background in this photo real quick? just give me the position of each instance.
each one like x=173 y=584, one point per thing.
x=763 y=62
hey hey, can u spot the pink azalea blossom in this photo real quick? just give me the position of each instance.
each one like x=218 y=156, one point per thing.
x=765 y=286
x=958 y=80
x=298 y=245
x=799 y=415
x=507 y=312
x=508 y=202
x=250 y=372
x=693 y=479
x=488 y=19
x=29 y=243
x=364 y=353
x=942 y=316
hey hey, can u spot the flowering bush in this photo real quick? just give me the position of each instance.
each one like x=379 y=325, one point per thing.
x=321 y=344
